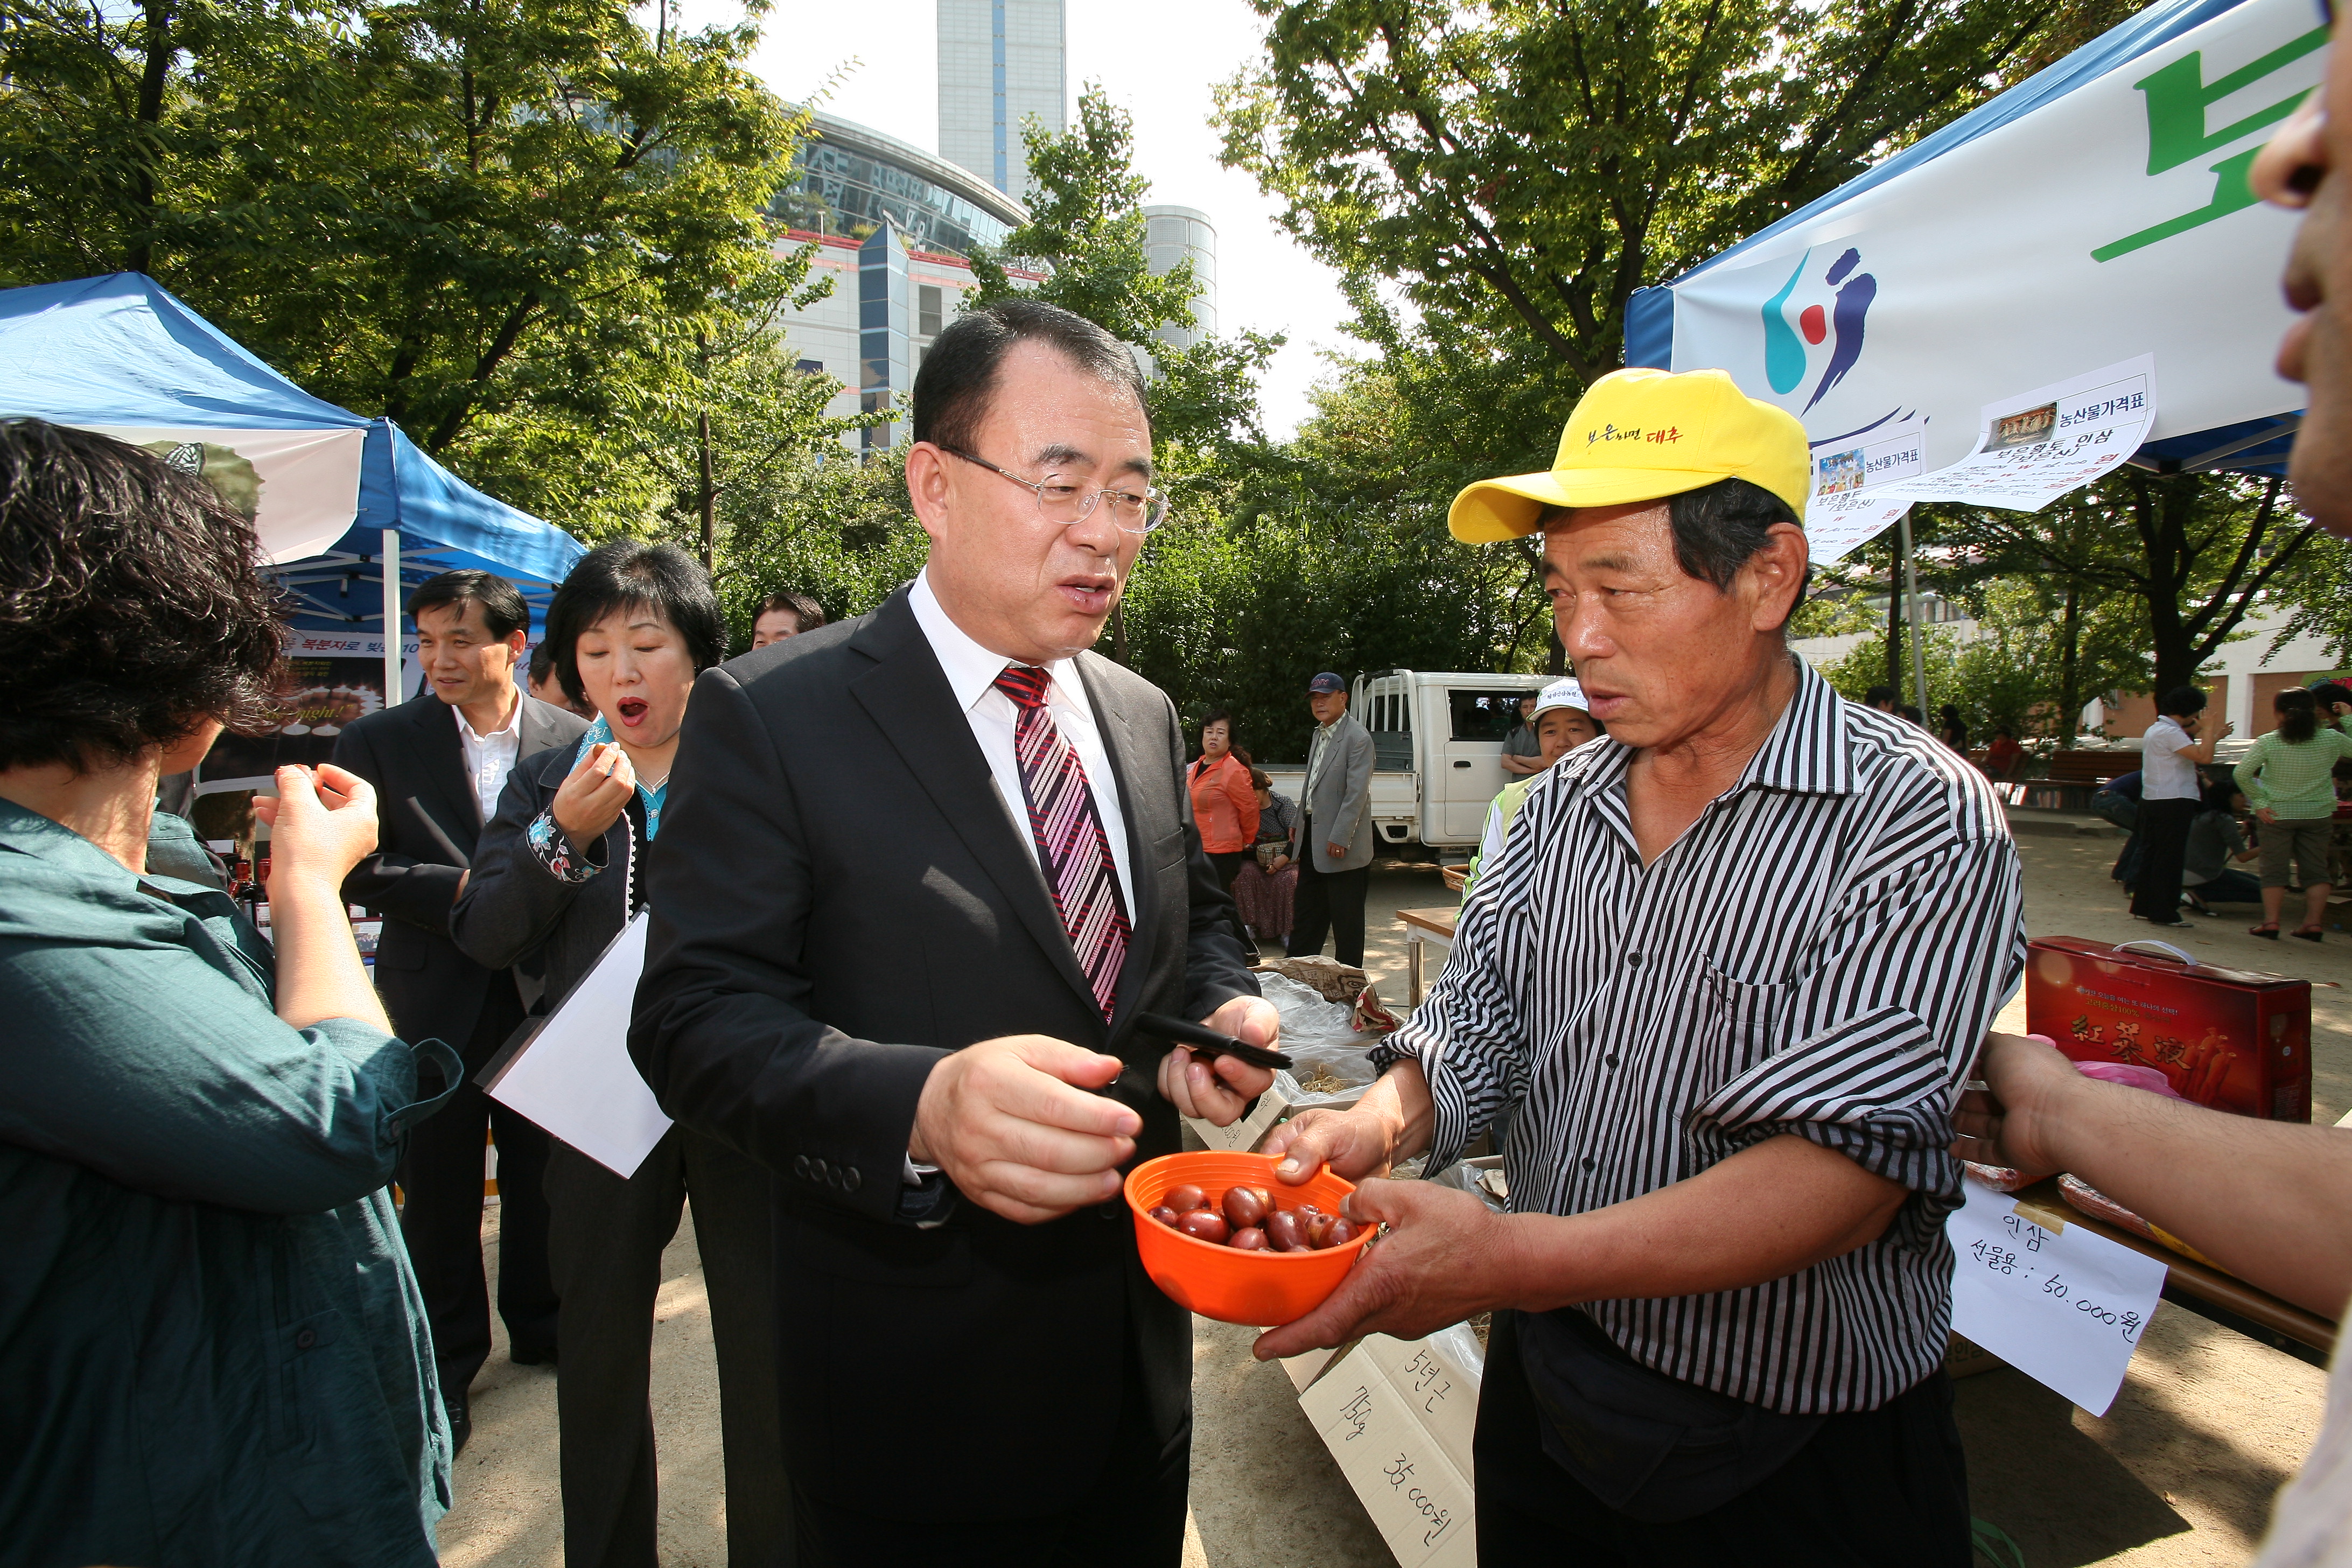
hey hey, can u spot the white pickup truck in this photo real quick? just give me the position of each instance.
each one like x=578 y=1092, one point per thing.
x=1437 y=738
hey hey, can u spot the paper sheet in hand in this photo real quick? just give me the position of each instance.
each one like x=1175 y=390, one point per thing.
x=2065 y=1308
x=575 y=1077
x=1854 y=497
x=2034 y=447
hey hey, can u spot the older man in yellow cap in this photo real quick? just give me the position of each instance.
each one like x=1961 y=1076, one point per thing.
x=1720 y=985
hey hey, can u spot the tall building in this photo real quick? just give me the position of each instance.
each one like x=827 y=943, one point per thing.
x=893 y=229
x=1000 y=61
x=1171 y=235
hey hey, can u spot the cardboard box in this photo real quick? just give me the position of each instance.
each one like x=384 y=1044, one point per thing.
x=2235 y=1039
x=1398 y=1417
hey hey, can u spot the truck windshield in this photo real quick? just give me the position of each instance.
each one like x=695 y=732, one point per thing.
x=1484 y=715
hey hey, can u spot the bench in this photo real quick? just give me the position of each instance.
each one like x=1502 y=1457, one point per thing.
x=2074 y=777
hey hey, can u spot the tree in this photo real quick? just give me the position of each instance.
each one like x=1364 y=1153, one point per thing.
x=1516 y=169
x=476 y=217
x=2198 y=552
x=1086 y=232
x=734 y=408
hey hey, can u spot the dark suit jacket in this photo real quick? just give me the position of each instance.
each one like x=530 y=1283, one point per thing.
x=432 y=990
x=515 y=908
x=841 y=899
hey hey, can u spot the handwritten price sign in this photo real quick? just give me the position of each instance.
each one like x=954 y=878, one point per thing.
x=2065 y=1308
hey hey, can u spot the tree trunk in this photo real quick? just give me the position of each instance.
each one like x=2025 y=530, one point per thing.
x=138 y=256
x=1895 y=629
x=2070 y=674
x=1118 y=633
x=709 y=495
x=1555 y=655
x=2159 y=504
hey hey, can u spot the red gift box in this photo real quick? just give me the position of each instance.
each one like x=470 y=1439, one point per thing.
x=2235 y=1039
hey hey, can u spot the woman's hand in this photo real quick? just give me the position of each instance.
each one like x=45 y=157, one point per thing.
x=2266 y=814
x=321 y=825
x=2015 y=1120
x=594 y=794
x=1280 y=862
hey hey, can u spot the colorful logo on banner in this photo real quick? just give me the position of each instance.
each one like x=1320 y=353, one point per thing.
x=1837 y=320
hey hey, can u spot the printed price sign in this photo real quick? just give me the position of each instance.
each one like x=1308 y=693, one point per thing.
x=2034 y=447
x=1856 y=491
x=2064 y=1307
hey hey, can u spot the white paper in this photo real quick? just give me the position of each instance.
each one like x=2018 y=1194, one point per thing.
x=575 y=1079
x=2034 y=447
x=1373 y=1419
x=1855 y=498
x=2066 y=1308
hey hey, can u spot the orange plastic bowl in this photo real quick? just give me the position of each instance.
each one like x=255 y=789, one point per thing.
x=1261 y=1289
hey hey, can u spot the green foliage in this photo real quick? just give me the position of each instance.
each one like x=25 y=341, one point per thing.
x=1517 y=169
x=819 y=523
x=733 y=413
x=1086 y=233
x=2196 y=553
x=2013 y=671
x=485 y=218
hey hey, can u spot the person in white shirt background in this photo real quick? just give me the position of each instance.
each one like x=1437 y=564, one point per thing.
x=2170 y=790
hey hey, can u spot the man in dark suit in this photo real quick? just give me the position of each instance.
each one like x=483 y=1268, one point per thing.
x=437 y=764
x=919 y=872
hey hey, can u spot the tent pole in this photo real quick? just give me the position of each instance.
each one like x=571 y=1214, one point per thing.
x=392 y=696
x=1911 y=592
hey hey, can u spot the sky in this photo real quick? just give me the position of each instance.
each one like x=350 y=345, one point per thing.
x=1162 y=74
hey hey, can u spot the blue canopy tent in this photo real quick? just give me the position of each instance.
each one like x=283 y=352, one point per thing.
x=2096 y=211
x=342 y=503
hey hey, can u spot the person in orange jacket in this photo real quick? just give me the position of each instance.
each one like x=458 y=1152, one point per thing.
x=1224 y=804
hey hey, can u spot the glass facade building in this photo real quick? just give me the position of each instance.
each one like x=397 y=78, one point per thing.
x=1000 y=62
x=891 y=227
x=852 y=181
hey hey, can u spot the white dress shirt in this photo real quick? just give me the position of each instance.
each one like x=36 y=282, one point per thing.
x=489 y=758
x=972 y=672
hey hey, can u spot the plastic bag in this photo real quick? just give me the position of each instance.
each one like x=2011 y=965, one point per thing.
x=1326 y=1049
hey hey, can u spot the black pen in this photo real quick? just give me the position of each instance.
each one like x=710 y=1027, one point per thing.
x=1208 y=1042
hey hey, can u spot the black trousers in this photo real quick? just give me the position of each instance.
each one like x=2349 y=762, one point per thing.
x=1884 y=1488
x=440 y=1179
x=2163 y=841
x=606 y=1243
x=1327 y=902
x=1132 y=1517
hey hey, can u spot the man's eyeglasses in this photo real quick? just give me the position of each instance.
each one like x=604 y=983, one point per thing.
x=1062 y=504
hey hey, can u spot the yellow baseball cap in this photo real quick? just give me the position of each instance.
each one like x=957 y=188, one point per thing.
x=1643 y=434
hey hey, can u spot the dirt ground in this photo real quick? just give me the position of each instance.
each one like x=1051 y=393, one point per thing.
x=2180 y=1471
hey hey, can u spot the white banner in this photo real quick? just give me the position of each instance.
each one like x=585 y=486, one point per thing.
x=301 y=487
x=2114 y=222
x=1857 y=489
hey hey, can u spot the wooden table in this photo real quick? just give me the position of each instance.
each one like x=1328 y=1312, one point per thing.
x=2205 y=1290
x=1420 y=925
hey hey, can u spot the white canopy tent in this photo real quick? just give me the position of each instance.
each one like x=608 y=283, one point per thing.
x=2095 y=212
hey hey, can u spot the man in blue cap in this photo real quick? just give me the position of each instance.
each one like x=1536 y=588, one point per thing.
x=1333 y=845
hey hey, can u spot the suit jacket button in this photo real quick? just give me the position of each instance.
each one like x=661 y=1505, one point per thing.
x=800 y=1166
x=305 y=1338
x=816 y=1169
x=850 y=1179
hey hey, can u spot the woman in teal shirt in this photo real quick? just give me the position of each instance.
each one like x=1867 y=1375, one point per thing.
x=212 y=1349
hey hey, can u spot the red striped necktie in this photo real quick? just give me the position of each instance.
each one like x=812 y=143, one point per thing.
x=1072 y=849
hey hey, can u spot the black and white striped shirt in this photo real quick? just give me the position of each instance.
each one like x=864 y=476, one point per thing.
x=1819 y=954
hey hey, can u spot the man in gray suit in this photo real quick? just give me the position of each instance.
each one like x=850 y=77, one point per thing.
x=1333 y=845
